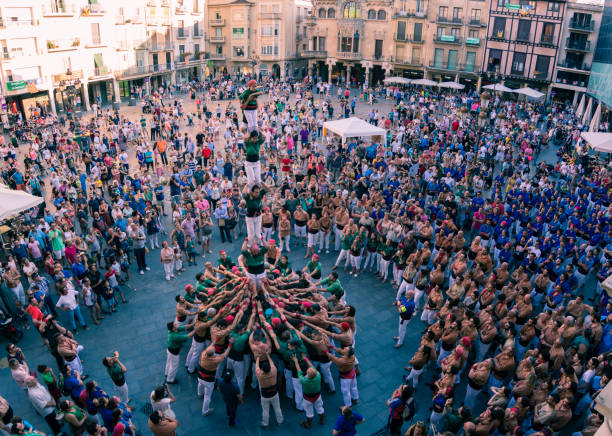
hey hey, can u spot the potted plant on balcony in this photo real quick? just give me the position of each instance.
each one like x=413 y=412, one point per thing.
x=76 y=42
x=51 y=45
x=185 y=56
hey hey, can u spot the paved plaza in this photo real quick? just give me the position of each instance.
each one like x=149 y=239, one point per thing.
x=138 y=332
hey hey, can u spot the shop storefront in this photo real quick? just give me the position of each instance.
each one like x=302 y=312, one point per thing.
x=68 y=92
x=100 y=92
x=26 y=97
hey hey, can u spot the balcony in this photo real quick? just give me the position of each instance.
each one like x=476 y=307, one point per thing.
x=270 y=15
x=181 y=10
x=475 y=22
x=217 y=39
x=197 y=35
x=56 y=45
x=348 y=55
x=298 y=19
x=447 y=39
x=153 y=3
x=123 y=46
x=414 y=62
x=442 y=19
x=166 y=46
x=217 y=57
x=182 y=33
x=59 y=10
x=574 y=67
x=152 y=21
x=410 y=14
x=407 y=38
x=136 y=20
x=216 y=22
x=314 y=54
x=472 y=41
x=456 y=21
x=547 y=39
x=14 y=22
x=563 y=81
x=443 y=65
x=580 y=26
x=581 y=46
x=99 y=72
x=93 y=10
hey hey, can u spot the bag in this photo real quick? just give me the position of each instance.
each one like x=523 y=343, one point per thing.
x=409 y=409
x=221 y=222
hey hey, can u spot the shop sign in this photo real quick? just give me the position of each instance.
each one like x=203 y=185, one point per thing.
x=447 y=38
x=513 y=7
x=16 y=85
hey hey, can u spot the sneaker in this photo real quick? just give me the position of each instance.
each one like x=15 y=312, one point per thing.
x=141 y=272
x=211 y=410
x=148 y=268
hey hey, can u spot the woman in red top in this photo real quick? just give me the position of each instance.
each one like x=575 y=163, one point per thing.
x=286 y=166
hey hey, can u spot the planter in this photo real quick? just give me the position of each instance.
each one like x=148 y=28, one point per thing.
x=501 y=116
x=485 y=96
x=483 y=115
x=464 y=109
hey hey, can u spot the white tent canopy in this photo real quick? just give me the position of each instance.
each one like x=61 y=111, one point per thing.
x=398 y=80
x=586 y=117
x=580 y=109
x=13 y=202
x=424 y=82
x=451 y=85
x=498 y=87
x=594 y=126
x=353 y=128
x=598 y=141
x=529 y=92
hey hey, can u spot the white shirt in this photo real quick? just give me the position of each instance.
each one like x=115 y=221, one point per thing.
x=68 y=301
x=162 y=406
x=40 y=397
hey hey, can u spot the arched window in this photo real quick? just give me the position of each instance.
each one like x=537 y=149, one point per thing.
x=371 y=14
x=322 y=13
x=351 y=11
x=382 y=15
x=331 y=13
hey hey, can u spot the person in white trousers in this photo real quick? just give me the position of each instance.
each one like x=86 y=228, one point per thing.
x=348 y=379
x=405 y=307
x=209 y=362
x=252 y=165
x=116 y=370
x=202 y=323
x=177 y=336
x=167 y=260
x=265 y=371
x=253 y=197
x=310 y=389
x=347 y=241
x=248 y=103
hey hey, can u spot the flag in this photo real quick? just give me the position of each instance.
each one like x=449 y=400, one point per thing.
x=525 y=9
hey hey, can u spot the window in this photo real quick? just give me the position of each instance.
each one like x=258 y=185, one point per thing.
x=418 y=32
x=501 y=3
x=475 y=15
x=181 y=50
x=473 y=33
x=196 y=7
x=351 y=11
x=541 y=67
x=181 y=28
x=438 y=58
x=238 y=51
x=219 y=50
x=331 y=13
x=346 y=44
x=452 y=59
x=548 y=32
x=95 y=34
x=454 y=32
x=322 y=13
x=494 y=61
x=276 y=49
x=470 y=60
x=371 y=14
x=442 y=11
x=553 y=7
x=499 y=27
x=322 y=43
x=267 y=30
x=401 y=30
x=378 y=48
x=524 y=30
x=196 y=29
x=441 y=31
x=196 y=51
x=518 y=63
x=382 y=15
x=238 y=32
x=416 y=55
x=266 y=49
x=457 y=13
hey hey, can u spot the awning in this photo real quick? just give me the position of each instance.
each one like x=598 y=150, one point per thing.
x=13 y=202
x=498 y=87
x=598 y=141
x=98 y=60
x=353 y=128
x=398 y=80
x=529 y=92
x=424 y=82
x=451 y=85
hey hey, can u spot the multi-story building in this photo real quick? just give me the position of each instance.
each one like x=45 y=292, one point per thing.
x=260 y=37
x=578 y=40
x=600 y=81
x=366 y=40
x=68 y=54
x=523 y=41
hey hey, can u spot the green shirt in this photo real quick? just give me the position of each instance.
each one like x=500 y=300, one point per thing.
x=115 y=372
x=227 y=263
x=251 y=149
x=56 y=239
x=255 y=263
x=176 y=339
x=347 y=241
x=253 y=204
x=240 y=341
x=312 y=267
x=47 y=377
x=334 y=288
x=251 y=105
x=310 y=386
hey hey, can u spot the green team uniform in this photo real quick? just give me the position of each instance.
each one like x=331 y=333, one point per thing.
x=255 y=264
x=314 y=269
x=253 y=204
x=251 y=149
x=334 y=288
x=347 y=241
x=176 y=340
x=252 y=105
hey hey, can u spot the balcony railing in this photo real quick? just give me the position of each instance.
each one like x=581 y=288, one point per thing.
x=444 y=65
x=217 y=57
x=546 y=39
x=181 y=10
x=182 y=33
x=160 y=46
x=10 y=22
x=415 y=62
x=475 y=22
x=348 y=55
x=100 y=71
x=60 y=9
x=442 y=19
x=410 y=14
x=578 y=45
x=574 y=66
x=314 y=54
x=94 y=9
x=217 y=39
x=571 y=82
x=582 y=26
x=472 y=41
x=407 y=38
x=456 y=21
x=270 y=15
x=217 y=22
x=447 y=39
x=63 y=44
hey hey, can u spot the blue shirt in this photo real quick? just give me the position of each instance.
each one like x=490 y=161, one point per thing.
x=346 y=426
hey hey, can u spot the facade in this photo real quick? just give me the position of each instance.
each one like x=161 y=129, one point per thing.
x=600 y=81
x=256 y=37
x=365 y=40
x=65 y=55
x=523 y=42
x=578 y=40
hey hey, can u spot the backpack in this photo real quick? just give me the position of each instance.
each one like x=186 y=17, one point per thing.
x=409 y=409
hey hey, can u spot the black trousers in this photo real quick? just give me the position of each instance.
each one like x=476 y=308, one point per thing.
x=56 y=427
x=225 y=234
x=139 y=254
